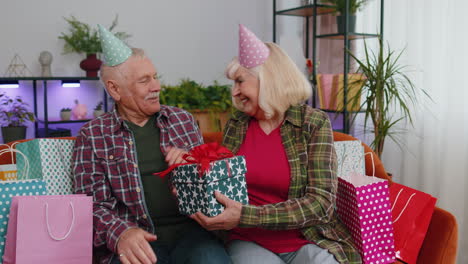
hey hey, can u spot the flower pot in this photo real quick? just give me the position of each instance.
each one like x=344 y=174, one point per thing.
x=13 y=133
x=65 y=115
x=340 y=22
x=91 y=65
x=97 y=113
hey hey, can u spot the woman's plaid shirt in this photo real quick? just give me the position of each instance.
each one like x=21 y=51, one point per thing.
x=308 y=141
x=106 y=167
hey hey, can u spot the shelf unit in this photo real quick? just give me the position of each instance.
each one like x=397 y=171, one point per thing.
x=313 y=11
x=45 y=120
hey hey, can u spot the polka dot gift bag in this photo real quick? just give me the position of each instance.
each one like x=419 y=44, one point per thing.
x=50 y=160
x=363 y=205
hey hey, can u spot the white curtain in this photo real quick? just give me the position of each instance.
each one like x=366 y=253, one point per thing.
x=434 y=157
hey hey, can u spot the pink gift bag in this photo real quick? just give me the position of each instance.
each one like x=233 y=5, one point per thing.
x=363 y=205
x=49 y=229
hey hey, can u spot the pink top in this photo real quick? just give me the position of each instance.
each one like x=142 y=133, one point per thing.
x=268 y=179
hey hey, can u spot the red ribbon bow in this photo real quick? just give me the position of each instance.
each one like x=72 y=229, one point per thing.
x=201 y=155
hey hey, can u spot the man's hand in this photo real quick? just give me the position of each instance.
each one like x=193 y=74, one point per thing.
x=227 y=220
x=174 y=155
x=133 y=247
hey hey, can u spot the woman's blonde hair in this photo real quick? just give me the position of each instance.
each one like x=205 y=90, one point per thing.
x=282 y=84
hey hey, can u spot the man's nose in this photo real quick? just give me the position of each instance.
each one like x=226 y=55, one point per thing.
x=156 y=85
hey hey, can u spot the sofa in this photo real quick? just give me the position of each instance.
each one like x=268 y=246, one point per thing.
x=441 y=241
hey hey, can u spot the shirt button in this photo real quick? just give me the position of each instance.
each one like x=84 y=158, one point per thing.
x=138 y=189
x=144 y=216
x=185 y=143
x=130 y=142
x=111 y=157
x=135 y=165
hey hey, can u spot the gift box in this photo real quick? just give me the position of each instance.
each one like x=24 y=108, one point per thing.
x=195 y=190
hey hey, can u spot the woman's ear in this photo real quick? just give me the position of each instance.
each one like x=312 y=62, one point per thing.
x=113 y=89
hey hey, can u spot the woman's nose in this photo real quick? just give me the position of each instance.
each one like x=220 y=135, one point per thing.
x=235 y=90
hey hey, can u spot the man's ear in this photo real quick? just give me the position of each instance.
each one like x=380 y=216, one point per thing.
x=113 y=89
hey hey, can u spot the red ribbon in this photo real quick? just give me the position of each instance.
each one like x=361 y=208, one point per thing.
x=201 y=155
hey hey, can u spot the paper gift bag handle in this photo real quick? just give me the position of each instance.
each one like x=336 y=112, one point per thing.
x=48 y=225
x=404 y=208
x=26 y=162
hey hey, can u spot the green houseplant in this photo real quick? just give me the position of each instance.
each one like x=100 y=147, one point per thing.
x=98 y=110
x=82 y=38
x=339 y=8
x=65 y=113
x=386 y=88
x=210 y=104
x=13 y=115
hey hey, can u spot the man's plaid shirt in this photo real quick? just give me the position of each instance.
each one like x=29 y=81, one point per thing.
x=106 y=167
x=308 y=140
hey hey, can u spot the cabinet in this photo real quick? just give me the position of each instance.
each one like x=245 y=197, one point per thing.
x=310 y=14
x=44 y=120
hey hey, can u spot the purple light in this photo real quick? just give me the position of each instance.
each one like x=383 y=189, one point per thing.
x=9 y=86
x=71 y=83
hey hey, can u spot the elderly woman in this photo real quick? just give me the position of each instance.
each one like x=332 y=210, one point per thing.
x=291 y=166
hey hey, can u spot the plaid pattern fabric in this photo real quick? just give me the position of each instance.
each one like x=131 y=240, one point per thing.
x=106 y=167
x=308 y=141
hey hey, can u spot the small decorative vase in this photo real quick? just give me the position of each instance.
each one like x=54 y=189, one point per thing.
x=65 y=115
x=79 y=111
x=91 y=65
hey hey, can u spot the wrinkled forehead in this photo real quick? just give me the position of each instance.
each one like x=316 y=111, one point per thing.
x=136 y=67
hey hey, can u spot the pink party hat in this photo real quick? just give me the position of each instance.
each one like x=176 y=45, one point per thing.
x=252 y=51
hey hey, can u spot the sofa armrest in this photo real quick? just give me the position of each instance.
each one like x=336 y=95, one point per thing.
x=441 y=241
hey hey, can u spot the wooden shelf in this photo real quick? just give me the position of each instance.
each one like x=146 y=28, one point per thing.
x=58 y=121
x=306 y=11
x=351 y=36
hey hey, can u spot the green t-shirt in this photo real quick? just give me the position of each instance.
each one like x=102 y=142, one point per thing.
x=162 y=205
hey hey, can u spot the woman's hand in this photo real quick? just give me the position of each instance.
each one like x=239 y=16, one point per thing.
x=227 y=220
x=174 y=155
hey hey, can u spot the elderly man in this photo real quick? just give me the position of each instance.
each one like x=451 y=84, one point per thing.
x=136 y=219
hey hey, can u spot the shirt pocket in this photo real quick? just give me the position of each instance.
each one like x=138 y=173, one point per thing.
x=114 y=161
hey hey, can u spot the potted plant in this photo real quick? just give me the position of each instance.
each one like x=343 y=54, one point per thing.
x=98 y=110
x=386 y=89
x=65 y=113
x=84 y=39
x=13 y=115
x=210 y=105
x=339 y=7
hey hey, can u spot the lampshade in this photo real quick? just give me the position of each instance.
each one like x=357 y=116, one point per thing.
x=9 y=84
x=71 y=83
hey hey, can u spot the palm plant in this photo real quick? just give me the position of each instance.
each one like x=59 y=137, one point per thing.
x=386 y=88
